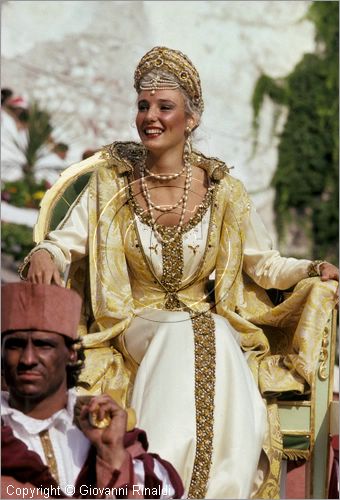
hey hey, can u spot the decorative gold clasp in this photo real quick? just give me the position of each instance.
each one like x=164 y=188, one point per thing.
x=323 y=358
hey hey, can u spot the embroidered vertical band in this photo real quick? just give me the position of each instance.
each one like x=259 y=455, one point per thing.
x=49 y=453
x=172 y=256
x=205 y=361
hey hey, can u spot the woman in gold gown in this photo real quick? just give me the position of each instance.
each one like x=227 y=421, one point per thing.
x=140 y=243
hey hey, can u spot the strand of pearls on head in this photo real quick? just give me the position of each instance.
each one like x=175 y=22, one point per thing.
x=158 y=83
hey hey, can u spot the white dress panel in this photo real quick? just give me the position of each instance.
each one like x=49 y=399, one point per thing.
x=164 y=390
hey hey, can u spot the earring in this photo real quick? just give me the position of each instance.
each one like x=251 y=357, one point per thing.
x=187 y=147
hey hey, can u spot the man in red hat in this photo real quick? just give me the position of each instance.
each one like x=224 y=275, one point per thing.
x=49 y=449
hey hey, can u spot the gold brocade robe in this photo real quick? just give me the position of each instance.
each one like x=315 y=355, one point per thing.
x=277 y=339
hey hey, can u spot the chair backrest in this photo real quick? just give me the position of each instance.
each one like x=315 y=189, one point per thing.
x=58 y=199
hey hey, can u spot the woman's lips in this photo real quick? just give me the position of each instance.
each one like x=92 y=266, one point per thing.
x=152 y=132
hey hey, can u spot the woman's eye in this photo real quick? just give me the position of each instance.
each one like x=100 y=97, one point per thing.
x=142 y=107
x=166 y=107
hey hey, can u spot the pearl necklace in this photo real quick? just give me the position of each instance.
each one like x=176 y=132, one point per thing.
x=163 y=177
x=151 y=205
x=168 y=208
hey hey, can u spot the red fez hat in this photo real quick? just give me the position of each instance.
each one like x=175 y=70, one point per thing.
x=49 y=308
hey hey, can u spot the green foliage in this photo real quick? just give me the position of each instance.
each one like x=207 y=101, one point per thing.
x=27 y=192
x=24 y=194
x=16 y=240
x=306 y=179
x=325 y=16
x=273 y=89
x=39 y=131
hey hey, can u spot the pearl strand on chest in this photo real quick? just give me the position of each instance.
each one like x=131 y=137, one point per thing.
x=182 y=201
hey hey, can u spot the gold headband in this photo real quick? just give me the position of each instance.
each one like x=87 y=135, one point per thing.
x=174 y=62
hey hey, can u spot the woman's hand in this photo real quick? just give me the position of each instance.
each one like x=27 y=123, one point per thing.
x=330 y=272
x=109 y=441
x=42 y=269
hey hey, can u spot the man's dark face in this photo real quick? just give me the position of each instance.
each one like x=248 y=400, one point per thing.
x=34 y=364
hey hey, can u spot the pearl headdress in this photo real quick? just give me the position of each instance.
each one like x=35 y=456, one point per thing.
x=174 y=62
x=157 y=82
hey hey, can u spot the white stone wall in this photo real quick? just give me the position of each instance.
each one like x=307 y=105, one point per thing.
x=78 y=58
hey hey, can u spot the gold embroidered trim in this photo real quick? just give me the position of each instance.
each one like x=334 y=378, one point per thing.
x=323 y=358
x=123 y=155
x=172 y=257
x=205 y=360
x=49 y=453
x=168 y=231
x=272 y=447
x=293 y=454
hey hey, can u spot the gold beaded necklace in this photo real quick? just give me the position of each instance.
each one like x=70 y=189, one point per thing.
x=182 y=201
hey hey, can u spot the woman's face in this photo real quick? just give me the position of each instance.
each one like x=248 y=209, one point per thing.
x=161 y=119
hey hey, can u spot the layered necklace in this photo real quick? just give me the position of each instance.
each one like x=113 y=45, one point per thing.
x=183 y=200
